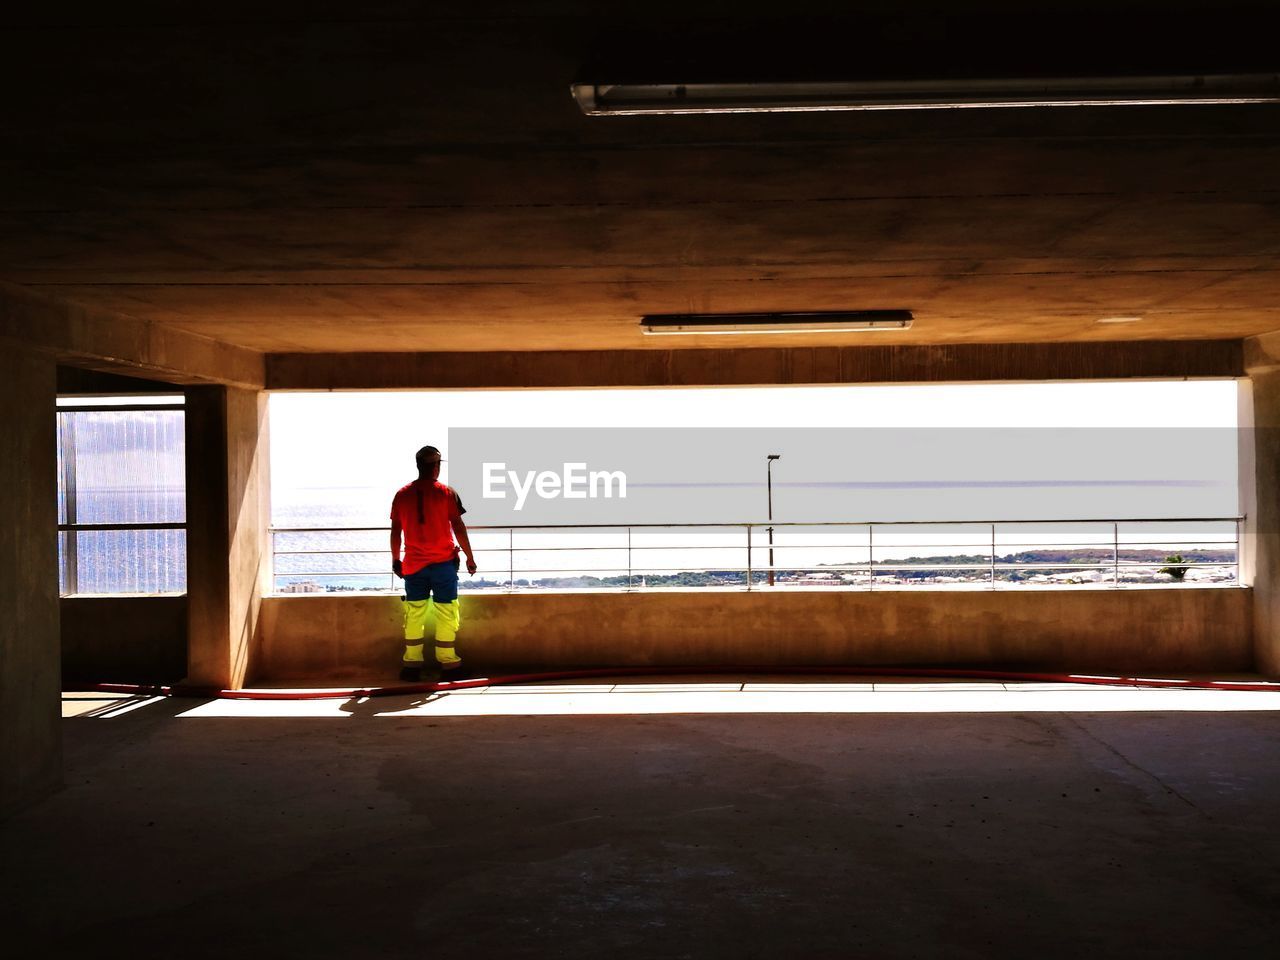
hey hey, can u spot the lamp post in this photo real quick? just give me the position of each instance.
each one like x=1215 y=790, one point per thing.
x=769 y=483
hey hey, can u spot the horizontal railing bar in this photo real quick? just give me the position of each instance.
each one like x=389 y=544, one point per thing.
x=347 y=574
x=310 y=553
x=1021 y=566
x=778 y=523
x=1130 y=545
x=65 y=527
x=882 y=565
x=855 y=568
x=622 y=547
x=927 y=546
x=674 y=547
x=985 y=558
x=1032 y=544
x=483 y=574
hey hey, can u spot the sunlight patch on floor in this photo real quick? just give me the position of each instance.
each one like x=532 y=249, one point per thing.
x=756 y=698
x=103 y=706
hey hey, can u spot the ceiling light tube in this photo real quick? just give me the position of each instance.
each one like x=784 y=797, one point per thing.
x=623 y=99
x=775 y=323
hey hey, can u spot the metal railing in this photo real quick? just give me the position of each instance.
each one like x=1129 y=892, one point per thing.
x=982 y=554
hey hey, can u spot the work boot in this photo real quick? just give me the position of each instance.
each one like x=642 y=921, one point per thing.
x=411 y=674
x=450 y=674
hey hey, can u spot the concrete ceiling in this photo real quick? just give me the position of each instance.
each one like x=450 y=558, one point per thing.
x=386 y=178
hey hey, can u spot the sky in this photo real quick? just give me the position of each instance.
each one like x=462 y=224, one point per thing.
x=368 y=439
x=362 y=444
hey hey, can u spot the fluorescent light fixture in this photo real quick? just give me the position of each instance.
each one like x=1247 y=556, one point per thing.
x=629 y=99
x=1126 y=319
x=854 y=321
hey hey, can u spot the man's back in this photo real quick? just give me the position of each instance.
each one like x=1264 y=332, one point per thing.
x=425 y=512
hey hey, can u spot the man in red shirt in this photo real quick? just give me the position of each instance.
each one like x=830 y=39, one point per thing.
x=428 y=515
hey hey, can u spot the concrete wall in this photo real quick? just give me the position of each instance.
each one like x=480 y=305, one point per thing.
x=357 y=638
x=30 y=739
x=124 y=639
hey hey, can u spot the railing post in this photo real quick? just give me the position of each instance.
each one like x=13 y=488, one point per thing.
x=871 y=557
x=1115 y=552
x=993 y=556
x=511 y=558
x=628 y=558
x=1237 y=526
x=748 y=556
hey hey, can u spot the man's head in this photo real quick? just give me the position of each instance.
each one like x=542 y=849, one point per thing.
x=428 y=460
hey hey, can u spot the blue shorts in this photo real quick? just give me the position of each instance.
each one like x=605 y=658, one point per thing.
x=436 y=580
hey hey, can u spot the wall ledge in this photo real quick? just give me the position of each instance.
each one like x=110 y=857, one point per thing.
x=1187 y=629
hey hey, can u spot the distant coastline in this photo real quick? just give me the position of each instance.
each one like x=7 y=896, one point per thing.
x=1032 y=567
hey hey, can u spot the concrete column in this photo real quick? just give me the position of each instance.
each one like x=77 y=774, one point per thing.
x=1247 y=480
x=30 y=733
x=1261 y=550
x=227 y=518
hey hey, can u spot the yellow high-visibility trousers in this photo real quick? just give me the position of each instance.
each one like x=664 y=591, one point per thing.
x=448 y=621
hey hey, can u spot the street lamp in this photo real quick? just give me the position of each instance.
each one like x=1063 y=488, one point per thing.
x=769 y=480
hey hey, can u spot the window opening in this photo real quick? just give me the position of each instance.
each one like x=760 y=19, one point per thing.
x=121 y=495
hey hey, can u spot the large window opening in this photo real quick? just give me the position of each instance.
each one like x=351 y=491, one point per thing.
x=989 y=486
x=121 y=495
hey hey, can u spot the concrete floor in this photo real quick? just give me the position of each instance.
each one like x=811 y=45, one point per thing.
x=1064 y=829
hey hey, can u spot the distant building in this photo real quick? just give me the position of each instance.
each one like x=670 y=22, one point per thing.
x=818 y=580
x=302 y=586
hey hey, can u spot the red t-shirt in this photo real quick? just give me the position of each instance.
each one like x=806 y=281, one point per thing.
x=425 y=513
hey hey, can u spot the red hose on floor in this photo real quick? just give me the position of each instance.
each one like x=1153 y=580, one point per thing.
x=517 y=678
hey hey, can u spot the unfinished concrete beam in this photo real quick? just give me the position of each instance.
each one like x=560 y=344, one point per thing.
x=760 y=365
x=87 y=337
